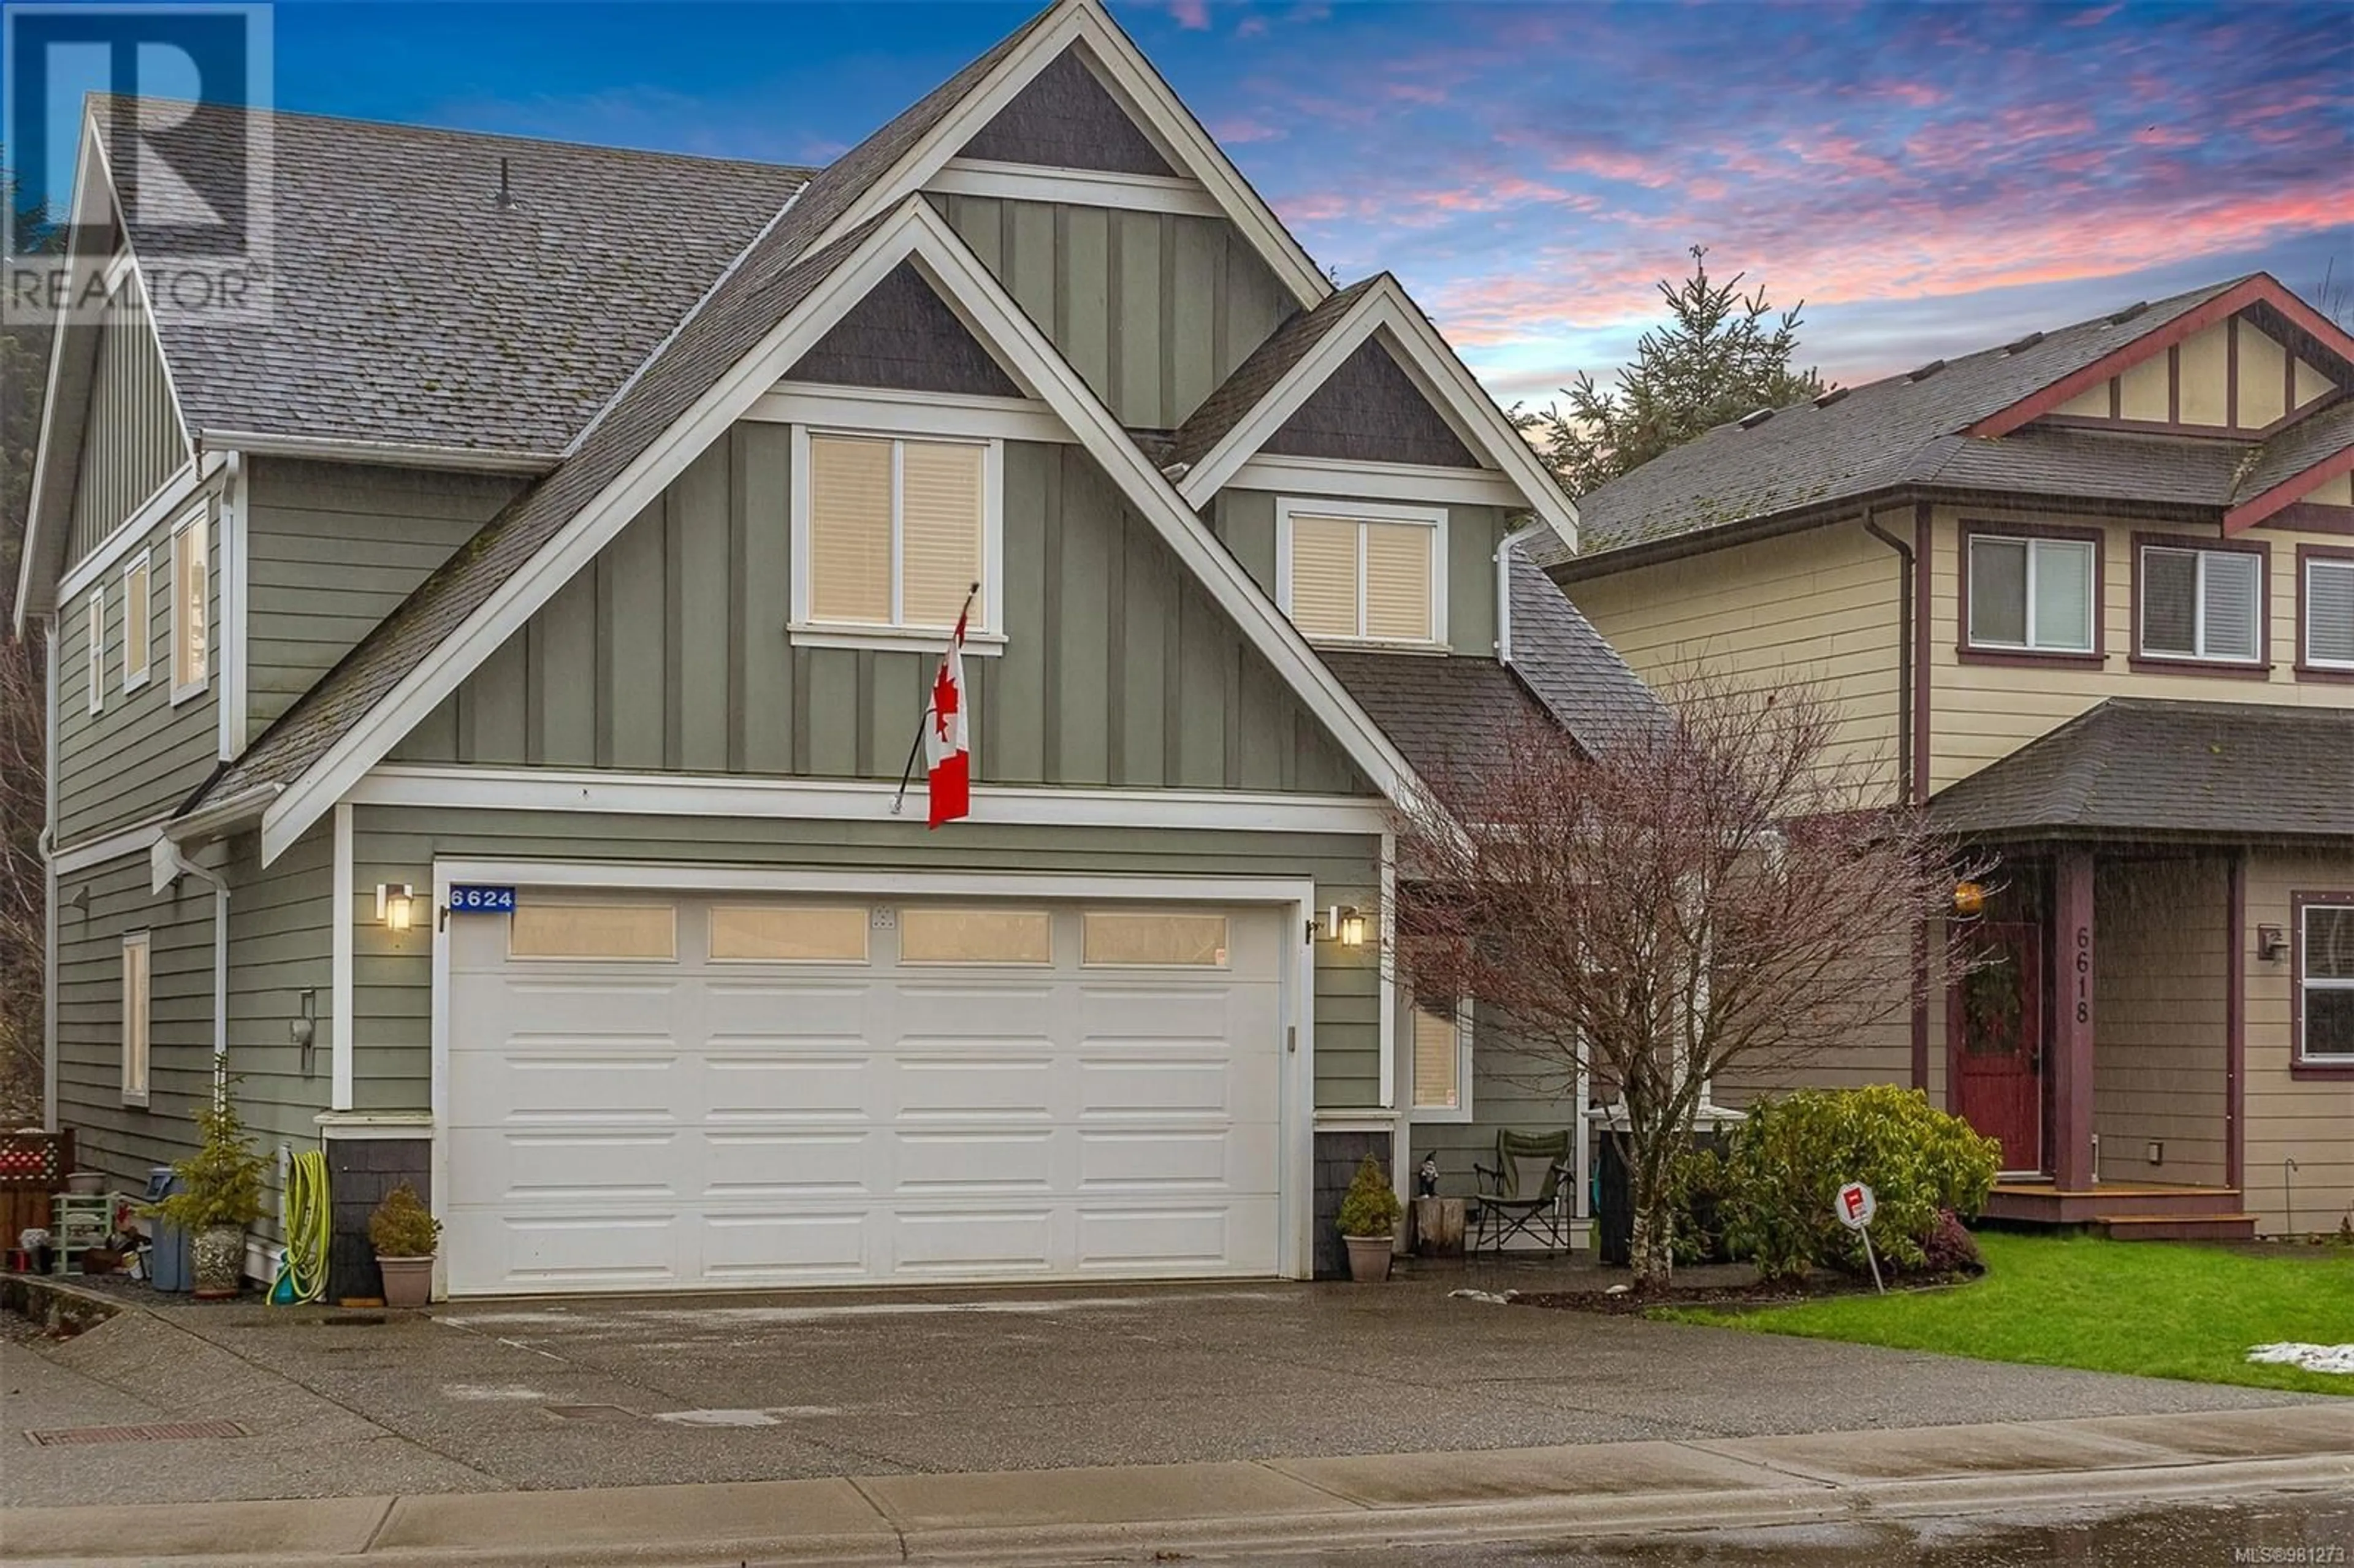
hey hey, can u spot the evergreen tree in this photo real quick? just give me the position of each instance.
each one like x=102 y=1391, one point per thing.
x=1720 y=355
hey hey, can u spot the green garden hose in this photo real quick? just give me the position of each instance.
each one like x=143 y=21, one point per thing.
x=303 y=1268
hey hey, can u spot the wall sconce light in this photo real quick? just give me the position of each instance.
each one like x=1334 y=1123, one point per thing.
x=1969 y=898
x=1341 y=923
x=2272 y=943
x=396 y=905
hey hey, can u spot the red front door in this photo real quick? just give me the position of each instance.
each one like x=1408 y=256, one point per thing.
x=1995 y=1015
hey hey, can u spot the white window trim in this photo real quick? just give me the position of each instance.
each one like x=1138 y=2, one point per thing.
x=93 y=657
x=2035 y=546
x=1460 y=1112
x=2306 y=985
x=145 y=941
x=2305 y=599
x=984 y=635
x=2198 y=653
x=142 y=564
x=199 y=523
x=1432 y=517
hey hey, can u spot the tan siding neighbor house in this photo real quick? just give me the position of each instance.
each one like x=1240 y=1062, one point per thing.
x=2088 y=597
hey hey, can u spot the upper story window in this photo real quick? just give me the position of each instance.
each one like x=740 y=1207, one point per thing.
x=2201 y=604
x=2031 y=595
x=2324 y=979
x=2328 y=612
x=1358 y=573
x=138 y=603
x=191 y=604
x=891 y=533
x=95 y=629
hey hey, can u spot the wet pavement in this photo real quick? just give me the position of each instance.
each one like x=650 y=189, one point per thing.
x=2287 y=1530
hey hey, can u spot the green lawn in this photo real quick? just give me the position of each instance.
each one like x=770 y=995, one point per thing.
x=2156 y=1308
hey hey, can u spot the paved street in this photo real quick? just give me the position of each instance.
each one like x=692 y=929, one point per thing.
x=608 y=1393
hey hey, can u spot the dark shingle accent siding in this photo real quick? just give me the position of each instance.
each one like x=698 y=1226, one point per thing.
x=902 y=336
x=1369 y=410
x=1065 y=118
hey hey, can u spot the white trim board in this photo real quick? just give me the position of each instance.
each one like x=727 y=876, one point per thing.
x=1295 y=1251
x=1139 y=88
x=1074 y=187
x=443 y=788
x=1340 y=479
x=343 y=1044
x=1427 y=359
x=910 y=413
x=139 y=841
x=914 y=232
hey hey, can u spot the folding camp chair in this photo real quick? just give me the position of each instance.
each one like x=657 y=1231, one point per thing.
x=1525 y=1193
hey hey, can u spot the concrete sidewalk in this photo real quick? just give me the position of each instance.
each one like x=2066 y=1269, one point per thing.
x=1143 y=1511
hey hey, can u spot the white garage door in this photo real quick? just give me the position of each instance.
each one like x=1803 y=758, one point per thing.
x=648 y=1092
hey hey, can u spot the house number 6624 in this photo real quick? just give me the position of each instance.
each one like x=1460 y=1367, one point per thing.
x=2084 y=974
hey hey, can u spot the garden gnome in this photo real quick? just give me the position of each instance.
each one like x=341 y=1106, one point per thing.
x=1426 y=1177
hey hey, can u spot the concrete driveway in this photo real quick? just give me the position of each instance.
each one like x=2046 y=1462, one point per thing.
x=621 y=1392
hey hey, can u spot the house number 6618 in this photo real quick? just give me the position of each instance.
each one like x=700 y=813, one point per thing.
x=2083 y=973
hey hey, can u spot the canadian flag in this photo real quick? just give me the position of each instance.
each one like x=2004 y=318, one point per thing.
x=948 y=758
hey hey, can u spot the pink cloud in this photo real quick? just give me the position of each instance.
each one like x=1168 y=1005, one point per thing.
x=1245 y=128
x=1194 y=16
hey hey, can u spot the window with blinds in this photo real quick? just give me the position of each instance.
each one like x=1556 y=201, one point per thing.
x=896 y=530
x=1354 y=579
x=2329 y=612
x=191 y=606
x=2031 y=595
x=2201 y=604
x=94 y=627
x=136 y=1009
x=1440 y=1061
x=137 y=608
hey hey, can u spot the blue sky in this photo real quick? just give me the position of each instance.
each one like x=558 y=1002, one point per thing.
x=1927 y=177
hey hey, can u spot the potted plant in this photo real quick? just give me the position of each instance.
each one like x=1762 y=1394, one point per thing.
x=219 y=1196
x=1369 y=1217
x=405 y=1233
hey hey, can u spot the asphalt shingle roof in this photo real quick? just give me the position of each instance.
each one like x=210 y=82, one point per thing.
x=2161 y=766
x=1233 y=399
x=1450 y=715
x=1888 y=433
x=408 y=308
x=2297 y=448
x=1580 y=678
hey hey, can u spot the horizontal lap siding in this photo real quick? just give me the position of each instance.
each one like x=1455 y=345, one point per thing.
x=670 y=653
x=2309 y=1120
x=333 y=550
x=1981 y=713
x=1153 y=310
x=140 y=755
x=132 y=442
x=2160 y=1050
x=392 y=974
x=1821 y=606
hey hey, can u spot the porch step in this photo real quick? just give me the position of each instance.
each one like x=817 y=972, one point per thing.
x=2040 y=1203
x=2177 y=1227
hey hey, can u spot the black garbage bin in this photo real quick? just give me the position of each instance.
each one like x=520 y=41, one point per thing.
x=1613 y=1203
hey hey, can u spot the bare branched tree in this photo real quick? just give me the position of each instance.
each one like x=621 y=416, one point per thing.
x=1719 y=894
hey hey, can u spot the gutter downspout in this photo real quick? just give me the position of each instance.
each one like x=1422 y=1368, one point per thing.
x=1908 y=563
x=1504 y=560
x=167 y=864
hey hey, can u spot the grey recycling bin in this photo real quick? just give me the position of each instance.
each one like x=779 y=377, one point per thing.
x=167 y=1258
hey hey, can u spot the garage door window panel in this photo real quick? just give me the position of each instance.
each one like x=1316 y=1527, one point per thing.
x=983 y=937
x=788 y=934
x=1125 y=939
x=605 y=932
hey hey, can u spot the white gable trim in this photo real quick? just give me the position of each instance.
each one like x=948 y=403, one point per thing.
x=1341 y=478
x=1079 y=187
x=1424 y=356
x=916 y=232
x=1139 y=88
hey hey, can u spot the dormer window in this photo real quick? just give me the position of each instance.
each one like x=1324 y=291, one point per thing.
x=1358 y=573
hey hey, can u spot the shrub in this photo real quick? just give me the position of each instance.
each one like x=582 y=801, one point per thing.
x=1696 y=1182
x=1370 y=1208
x=402 y=1226
x=1949 y=1248
x=1788 y=1160
x=220 y=1184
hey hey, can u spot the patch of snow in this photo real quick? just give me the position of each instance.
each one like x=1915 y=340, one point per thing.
x=476 y=1391
x=2312 y=1358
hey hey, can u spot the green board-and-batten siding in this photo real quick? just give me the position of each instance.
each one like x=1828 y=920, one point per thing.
x=142 y=753
x=132 y=439
x=1244 y=521
x=671 y=653
x=335 y=549
x=1152 y=310
x=392 y=973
